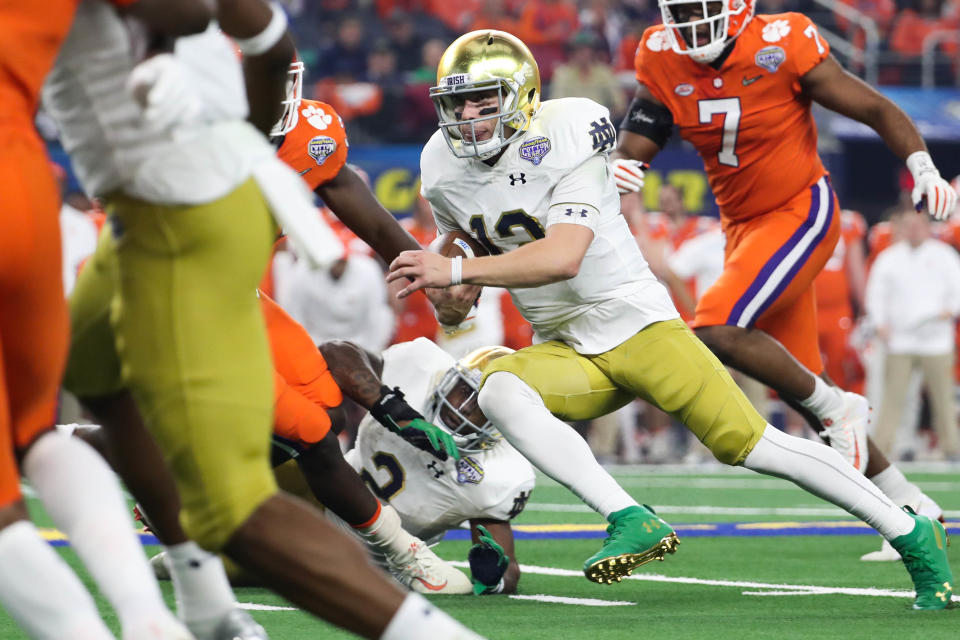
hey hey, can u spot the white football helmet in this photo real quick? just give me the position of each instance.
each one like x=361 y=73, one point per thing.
x=291 y=104
x=702 y=28
x=453 y=404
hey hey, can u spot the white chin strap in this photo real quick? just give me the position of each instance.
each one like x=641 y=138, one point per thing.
x=493 y=142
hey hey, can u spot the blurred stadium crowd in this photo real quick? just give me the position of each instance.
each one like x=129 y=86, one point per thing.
x=372 y=60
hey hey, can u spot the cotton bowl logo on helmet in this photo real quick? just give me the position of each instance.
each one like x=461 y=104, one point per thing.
x=486 y=61
x=702 y=29
x=321 y=147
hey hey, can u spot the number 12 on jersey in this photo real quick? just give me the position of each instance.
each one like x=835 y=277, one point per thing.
x=729 y=108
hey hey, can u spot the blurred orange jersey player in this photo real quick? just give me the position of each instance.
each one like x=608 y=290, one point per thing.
x=838 y=287
x=33 y=320
x=316 y=147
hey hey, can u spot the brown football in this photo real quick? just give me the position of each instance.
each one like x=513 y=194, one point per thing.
x=450 y=244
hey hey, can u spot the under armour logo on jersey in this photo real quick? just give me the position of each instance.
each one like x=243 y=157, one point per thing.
x=570 y=212
x=522 y=179
x=603 y=134
x=436 y=471
x=518 y=504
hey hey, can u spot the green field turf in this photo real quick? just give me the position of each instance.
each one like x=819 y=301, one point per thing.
x=718 y=587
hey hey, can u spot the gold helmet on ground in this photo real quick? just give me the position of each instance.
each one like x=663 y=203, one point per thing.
x=453 y=404
x=486 y=60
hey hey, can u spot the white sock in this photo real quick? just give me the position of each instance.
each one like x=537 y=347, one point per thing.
x=200 y=586
x=386 y=535
x=825 y=401
x=417 y=619
x=824 y=473
x=84 y=500
x=40 y=591
x=549 y=443
x=903 y=492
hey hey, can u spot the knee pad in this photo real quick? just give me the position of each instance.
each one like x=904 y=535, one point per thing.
x=501 y=394
x=731 y=446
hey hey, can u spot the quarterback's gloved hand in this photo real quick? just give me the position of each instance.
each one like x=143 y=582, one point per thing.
x=628 y=174
x=391 y=410
x=161 y=86
x=928 y=185
x=488 y=563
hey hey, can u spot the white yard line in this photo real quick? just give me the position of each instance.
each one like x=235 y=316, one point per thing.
x=586 y=602
x=253 y=606
x=555 y=507
x=738 y=584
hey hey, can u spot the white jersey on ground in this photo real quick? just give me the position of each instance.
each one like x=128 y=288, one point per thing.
x=432 y=496
x=556 y=172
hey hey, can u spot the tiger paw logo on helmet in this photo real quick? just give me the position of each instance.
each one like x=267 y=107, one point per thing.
x=317 y=117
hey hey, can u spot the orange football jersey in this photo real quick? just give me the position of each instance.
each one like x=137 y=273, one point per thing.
x=748 y=120
x=30 y=36
x=832 y=284
x=317 y=147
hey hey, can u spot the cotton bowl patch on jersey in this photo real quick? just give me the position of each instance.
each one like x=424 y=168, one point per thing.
x=770 y=58
x=535 y=149
x=683 y=89
x=469 y=471
x=321 y=147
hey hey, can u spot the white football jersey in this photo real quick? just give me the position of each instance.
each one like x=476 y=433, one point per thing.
x=432 y=496
x=556 y=172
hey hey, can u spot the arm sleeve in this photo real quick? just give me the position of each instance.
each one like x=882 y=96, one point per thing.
x=577 y=196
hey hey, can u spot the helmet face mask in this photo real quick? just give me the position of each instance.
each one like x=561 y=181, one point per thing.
x=484 y=64
x=453 y=406
x=291 y=103
x=701 y=29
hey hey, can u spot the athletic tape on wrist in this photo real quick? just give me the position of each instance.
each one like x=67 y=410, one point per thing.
x=456 y=270
x=920 y=162
x=271 y=34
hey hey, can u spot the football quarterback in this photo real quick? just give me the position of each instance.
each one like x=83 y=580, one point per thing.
x=531 y=182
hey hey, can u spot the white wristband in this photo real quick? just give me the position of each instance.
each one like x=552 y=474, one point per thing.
x=456 y=270
x=270 y=35
x=920 y=162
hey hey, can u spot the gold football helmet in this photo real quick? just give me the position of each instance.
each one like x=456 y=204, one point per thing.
x=486 y=60
x=453 y=403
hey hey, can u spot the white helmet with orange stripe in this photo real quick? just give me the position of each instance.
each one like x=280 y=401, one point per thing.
x=702 y=28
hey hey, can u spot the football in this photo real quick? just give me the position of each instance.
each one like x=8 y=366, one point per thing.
x=457 y=243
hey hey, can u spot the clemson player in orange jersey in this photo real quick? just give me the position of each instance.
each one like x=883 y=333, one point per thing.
x=739 y=87
x=839 y=287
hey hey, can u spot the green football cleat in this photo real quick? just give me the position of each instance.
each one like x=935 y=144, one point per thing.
x=924 y=552
x=636 y=536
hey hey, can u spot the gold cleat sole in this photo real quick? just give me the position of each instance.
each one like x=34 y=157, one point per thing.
x=616 y=568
